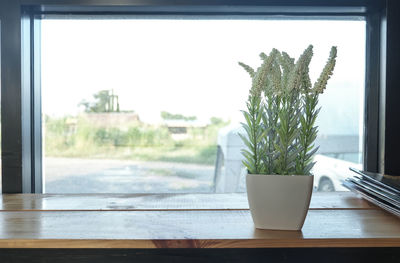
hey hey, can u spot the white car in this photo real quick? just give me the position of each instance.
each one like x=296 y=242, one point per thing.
x=330 y=172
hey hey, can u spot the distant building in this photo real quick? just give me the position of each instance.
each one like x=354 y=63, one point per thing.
x=179 y=129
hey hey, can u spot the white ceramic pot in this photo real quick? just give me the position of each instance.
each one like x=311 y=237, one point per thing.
x=279 y=202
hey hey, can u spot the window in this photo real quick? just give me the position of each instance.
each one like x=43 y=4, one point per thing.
x=0 y=114
x=21 y=87
x=149 y=104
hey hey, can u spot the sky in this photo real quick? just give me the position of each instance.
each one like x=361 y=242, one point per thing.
x=190 y=67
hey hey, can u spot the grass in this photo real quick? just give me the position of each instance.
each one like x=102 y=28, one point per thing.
x=134 y=141
x=196 y=155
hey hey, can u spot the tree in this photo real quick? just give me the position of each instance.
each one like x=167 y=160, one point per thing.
x=216 y=121
x=169 y=116
x=104 y=101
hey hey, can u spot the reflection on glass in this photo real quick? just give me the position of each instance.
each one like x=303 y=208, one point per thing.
x=153 y=105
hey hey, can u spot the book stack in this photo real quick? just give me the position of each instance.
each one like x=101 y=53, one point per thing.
x=382 y=190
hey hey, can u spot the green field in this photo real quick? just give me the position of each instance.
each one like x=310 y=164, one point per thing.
x=79 y=137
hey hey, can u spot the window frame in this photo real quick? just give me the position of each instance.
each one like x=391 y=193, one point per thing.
x=20 y=78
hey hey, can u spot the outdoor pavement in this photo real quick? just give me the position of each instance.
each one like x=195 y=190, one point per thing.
x=74 y=175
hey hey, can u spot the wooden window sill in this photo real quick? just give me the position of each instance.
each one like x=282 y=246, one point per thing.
x=184 y=221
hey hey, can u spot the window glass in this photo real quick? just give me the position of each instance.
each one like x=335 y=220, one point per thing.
x=1 y=159
x=153 y=105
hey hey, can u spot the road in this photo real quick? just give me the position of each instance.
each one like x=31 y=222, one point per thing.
x=74 y=175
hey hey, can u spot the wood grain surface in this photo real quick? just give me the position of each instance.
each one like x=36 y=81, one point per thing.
x=185 y=221
x=205 y=229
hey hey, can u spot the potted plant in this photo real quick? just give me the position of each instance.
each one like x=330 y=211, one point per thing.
x=280 y=131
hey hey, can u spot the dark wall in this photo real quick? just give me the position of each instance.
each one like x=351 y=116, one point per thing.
x=392 y=119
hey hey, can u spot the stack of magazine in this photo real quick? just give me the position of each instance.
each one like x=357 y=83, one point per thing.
x=382 y=190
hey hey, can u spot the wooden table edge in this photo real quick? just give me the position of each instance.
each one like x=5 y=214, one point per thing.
x=204 y=243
